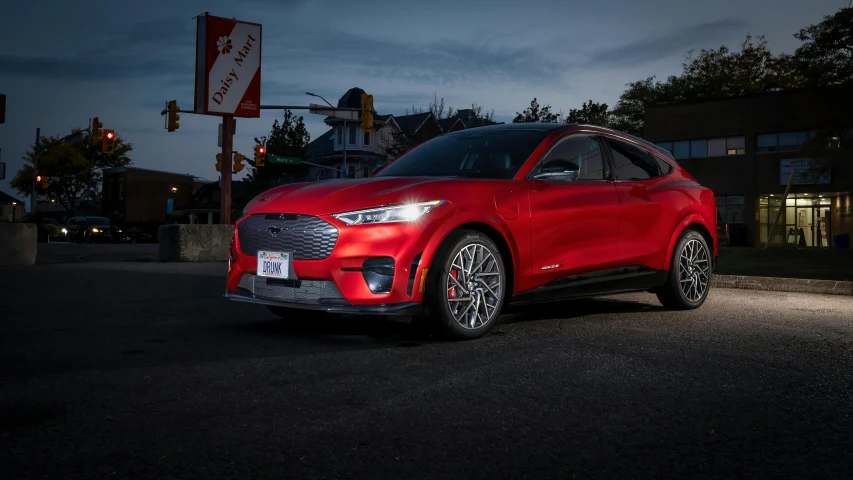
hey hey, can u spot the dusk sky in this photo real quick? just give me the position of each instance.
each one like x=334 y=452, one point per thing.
x=63 y=63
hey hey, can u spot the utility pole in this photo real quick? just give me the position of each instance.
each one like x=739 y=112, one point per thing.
x=36 y=152
x=346 y=138
x=225 y=179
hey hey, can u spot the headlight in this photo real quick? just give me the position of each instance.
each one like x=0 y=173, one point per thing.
x=64 y=231
x=395 y=213
x=95 y=230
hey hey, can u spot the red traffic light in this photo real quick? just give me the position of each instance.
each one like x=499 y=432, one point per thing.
x=38 y=178
x=110 y=135
x=261 y=150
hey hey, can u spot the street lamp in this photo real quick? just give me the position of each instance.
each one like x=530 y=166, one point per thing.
x=343 y=142
x=174 y=190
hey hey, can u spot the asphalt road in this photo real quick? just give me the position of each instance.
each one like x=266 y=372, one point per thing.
x=142 y=370
x=64 y=252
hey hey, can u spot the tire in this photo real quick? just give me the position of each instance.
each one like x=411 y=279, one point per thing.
x=440 y=302
x=695 y=276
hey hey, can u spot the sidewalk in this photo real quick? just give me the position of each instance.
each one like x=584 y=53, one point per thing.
x=786 y=270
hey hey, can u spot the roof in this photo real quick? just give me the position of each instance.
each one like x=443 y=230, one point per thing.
x=351 y=99
x=125 y=169
x=6 y=198
x=321 y=145
x=410 y=123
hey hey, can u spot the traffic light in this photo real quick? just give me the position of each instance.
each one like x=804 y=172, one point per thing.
x=238 y=162
x=96 y=130
x=367 y=112
x=41 y=183
x=218 y=162
x=109 y=146
x=260 y=155
x=173 y=117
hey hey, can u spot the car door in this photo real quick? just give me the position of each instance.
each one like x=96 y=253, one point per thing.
x=649 y=207
x=574 y=224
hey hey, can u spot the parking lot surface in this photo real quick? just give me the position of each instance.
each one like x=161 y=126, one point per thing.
x=143 y=370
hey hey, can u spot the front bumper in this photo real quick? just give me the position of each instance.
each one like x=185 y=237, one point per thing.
x=339 y=282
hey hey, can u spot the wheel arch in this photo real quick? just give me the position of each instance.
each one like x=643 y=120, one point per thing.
x=691 y=222
x=491 y=229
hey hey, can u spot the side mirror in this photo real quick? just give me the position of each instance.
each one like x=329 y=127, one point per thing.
x=558 y=170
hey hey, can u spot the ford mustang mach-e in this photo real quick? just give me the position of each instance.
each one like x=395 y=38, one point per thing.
x=471 y=221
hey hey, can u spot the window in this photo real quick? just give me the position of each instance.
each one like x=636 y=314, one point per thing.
x=366 y=138
x=582 y=150
x=717 y=147
x=474 y=153
x=698 y=148
x=782 y=141
x=681 y=150
x=735 y=146
x=666 y=146
x=663 y=165
x=352 y=137
x=632 y=163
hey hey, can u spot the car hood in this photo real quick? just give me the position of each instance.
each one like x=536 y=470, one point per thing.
x=336 y=196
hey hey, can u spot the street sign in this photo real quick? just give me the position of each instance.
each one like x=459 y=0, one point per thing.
x=286 y=160
x=228 y=67
x=333 y=112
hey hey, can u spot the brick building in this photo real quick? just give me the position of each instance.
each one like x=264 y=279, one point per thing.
x=143 y=198
x=745 y=148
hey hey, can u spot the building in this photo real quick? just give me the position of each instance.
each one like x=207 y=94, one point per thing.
x=366 y=151
x=11 y=209
x=204 y=207
x=745 y=149
x=143 y=198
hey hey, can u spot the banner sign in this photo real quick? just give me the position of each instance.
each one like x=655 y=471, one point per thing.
x=228 y=67
x=803 y=175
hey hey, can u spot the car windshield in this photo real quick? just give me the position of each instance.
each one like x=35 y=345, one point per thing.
x=493 y=154
x=98 y=221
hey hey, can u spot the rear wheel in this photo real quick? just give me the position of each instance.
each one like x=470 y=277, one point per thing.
x=689 y=277
x=466 y=290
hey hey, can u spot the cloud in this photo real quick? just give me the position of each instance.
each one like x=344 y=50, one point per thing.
x=82 y=68
x=448 y=62
x=657 y=48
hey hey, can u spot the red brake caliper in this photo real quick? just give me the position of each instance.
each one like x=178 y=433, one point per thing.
x=452 y=292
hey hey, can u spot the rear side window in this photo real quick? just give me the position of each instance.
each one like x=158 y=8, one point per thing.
x=632 y=163
x=665 y=168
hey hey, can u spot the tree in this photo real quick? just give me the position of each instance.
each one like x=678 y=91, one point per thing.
x=826 y=55
x=591 y=113
x=535 y=113
x=287 y=139
x=73 y=169
x=436 y=107
x=478 y=112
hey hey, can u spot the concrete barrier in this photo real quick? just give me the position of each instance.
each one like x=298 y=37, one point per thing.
x=194 y=243
x=18 y=243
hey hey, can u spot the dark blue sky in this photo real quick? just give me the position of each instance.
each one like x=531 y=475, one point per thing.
x=65 y=62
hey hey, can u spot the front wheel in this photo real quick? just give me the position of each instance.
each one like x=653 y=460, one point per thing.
x=689 y=277
x=467 y=288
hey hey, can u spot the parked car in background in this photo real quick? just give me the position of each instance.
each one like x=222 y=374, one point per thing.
x=92 y=230
x=135 y=235
x=474 y=220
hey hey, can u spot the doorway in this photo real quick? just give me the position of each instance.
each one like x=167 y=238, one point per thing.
x=812 y=225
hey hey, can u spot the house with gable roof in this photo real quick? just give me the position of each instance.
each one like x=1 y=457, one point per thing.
x=366 y=151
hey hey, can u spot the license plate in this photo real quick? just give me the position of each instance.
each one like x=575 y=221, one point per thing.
x=273 y=264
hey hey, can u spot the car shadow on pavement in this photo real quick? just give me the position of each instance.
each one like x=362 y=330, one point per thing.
x=575 y=309
x=342 y=330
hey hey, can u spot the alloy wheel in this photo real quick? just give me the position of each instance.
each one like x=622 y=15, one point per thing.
x=694 y=270
x=474 y=286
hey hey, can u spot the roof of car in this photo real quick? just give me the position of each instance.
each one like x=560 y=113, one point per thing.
x=548 y=127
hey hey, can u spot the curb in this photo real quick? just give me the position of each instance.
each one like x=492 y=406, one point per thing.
x=776 y=284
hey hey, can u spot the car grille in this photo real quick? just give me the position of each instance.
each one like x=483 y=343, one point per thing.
x=300 y=291
x=306 y=237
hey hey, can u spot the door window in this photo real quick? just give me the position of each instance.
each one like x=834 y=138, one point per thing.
x=632 y=163
x=583 y=150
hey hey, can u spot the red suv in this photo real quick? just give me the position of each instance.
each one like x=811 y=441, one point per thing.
x=470 y=221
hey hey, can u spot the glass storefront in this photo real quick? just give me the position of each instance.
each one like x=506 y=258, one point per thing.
x=805 y=220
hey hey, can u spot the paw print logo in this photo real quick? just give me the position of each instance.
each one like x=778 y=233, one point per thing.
x=224 y=45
